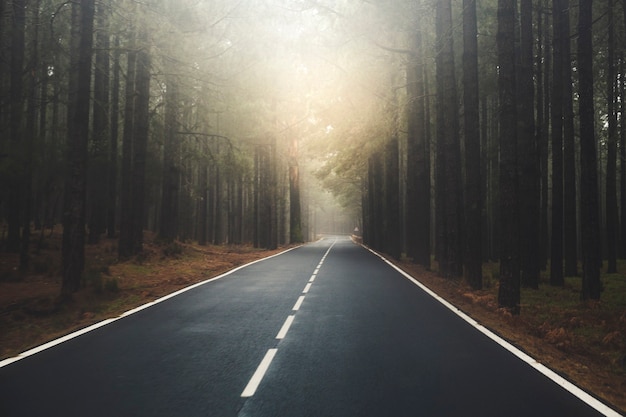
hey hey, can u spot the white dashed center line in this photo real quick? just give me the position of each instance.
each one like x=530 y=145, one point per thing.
x=259 y=374
x=296 y=307
x=283 y=330
x=269 y=356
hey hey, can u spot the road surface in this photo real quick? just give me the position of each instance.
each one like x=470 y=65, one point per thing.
x=326 y=329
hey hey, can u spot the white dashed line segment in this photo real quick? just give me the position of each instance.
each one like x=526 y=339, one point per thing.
x=269 y=356
x=283 y=330
x=259 y=374
x=296 y=307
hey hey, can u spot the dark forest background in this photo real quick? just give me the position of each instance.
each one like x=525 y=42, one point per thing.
x=448 y=132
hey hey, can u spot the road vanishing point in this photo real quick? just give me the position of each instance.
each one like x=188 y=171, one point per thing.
x=325 y=329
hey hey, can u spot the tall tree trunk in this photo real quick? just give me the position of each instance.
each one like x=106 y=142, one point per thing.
x=393 y=240
x=418 y=157
x=544 y=133
x=43 y=136
x=78 y=132
x=556 y=252
x=570 y=231
x=528 y=156
x=374 y=192
x=125 y=246
x=622 y=150
x=295 y=214
x=203 y=211
x=98 y=165
x=113 y=146
x=171 y=164
x=622 y=158
x=365 y=210
x=217 y=187
x=266 y=211
x=451 y=263
x=256 y=198
x=473 y=195
x=611 y=161
x=509 y=291
x=140 y=144
x=29 y=137
x=16 y=93
x=273 y=206
x=589 y=204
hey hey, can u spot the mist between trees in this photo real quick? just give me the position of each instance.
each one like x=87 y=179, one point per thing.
x=451 y=133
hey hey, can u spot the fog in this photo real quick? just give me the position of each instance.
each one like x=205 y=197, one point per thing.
x=320 y=73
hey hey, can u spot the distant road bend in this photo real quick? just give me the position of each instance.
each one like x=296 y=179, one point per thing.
x=326 y=329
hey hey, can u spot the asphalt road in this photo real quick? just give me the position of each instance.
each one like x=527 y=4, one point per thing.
x=327 y=329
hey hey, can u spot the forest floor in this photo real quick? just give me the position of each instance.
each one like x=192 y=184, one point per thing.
x=583 y=342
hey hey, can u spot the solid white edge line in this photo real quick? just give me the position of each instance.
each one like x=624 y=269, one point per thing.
x=258 y=375
x=306 y=288
x=286 y=325
x=296 y=306
x=578 y=392
x=95 y=326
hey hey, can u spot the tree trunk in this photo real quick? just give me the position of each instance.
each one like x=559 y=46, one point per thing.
x=509 y=291
x=473 y=181
x=140 y=144
x=256 y=198
x=418 y=157
x=611 y=161
x=528 y=156
x=570 y=235
x=217 y=201
x=266 y=210
x=622 y=158
x=543 y=134
x=295 y=215
x=16 y=93
x=622 y=148
x=29 y=138
x=113 y=157
x=125 y=246
x=101 y=113
x=589 y=205
x=203 y=204
x=273 y=206
x=391 y=217
x=451 y=262
x=171 y=164
x=556 y=252
x=78 y=132
x=375 y=180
